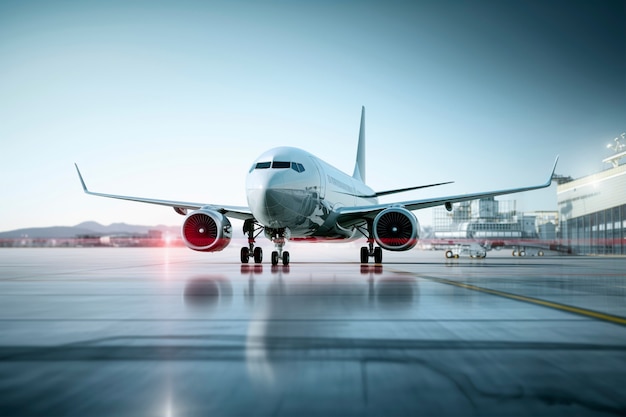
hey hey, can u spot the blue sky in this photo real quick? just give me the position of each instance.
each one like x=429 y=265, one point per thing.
x=176 y=99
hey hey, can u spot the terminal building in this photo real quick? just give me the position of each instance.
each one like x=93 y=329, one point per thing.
x=592 y=209
x=591 y=216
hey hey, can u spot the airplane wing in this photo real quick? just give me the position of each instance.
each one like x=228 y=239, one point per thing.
x=348 y=214
x=237 y=212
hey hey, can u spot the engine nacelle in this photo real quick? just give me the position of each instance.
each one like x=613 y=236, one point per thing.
x=206 y=231
x=396 y=229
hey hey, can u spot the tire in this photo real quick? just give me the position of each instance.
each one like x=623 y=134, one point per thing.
x=258 y=255
x=245 y=255
x=378 y=255
x=274 y=258
x=285 y=258
x=540 y=253
x=365 y=255
x=449 y=254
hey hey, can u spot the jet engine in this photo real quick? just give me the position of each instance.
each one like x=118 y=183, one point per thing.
x=206 y=231
x=396 y=229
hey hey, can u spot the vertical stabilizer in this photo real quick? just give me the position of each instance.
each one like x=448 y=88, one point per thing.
x=359 y=166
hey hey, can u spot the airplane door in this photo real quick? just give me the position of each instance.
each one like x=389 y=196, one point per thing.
x=320 y=172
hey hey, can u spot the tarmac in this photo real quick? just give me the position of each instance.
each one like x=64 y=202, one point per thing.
x=172 y=332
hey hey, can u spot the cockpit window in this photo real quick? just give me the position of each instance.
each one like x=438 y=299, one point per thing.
x=281 y=164
x=297 y=167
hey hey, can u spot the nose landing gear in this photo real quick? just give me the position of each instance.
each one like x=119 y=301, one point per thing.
x=278 y=237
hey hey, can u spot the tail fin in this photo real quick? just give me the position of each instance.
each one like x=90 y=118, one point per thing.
x=359 y=166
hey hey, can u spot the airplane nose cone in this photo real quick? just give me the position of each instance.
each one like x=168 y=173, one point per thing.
x=270 y=202
x=274 y=201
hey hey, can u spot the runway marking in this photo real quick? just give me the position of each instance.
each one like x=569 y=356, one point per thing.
x=563 y=307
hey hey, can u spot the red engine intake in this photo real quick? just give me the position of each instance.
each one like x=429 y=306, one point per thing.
x=206 y=231
x=396 y=229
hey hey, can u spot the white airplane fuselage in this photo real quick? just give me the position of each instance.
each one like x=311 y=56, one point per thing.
x=289 y=188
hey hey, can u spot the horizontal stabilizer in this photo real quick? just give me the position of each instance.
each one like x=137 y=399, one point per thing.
x=399 y=190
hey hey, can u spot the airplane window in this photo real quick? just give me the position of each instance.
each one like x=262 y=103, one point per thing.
x=297 y=167
x=281 y=164
x=263 y=165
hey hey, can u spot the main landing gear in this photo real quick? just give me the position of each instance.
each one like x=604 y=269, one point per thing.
x=370 y=251
x=252 y=229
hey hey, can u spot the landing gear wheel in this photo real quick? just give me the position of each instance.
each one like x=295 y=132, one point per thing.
x=365 y=255
x=274 y=258
x=252 y=229
x=378 y=255
x=245 y=255
x=285 y=258
x=258 y=255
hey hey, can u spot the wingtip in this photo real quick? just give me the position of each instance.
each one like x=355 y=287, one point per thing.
x=80 y=177
x=556 y=161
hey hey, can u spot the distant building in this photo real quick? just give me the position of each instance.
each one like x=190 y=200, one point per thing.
x=593 y=210
x=545 y=224
x=489 y=218
x=155 y=234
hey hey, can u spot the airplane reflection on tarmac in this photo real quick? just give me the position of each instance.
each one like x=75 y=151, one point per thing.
x=302 y=314
x=389 y=291
x=207 y=291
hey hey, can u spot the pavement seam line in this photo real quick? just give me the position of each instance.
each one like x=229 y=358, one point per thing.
x=562 y=307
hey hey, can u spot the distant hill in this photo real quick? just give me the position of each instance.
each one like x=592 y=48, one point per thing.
x=85 y=228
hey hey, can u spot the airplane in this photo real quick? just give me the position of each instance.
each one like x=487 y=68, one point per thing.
x=293 y=195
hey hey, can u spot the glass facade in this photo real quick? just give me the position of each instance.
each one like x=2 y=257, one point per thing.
x=599 y=233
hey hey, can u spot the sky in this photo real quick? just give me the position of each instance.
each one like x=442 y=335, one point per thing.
x=175 y=100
